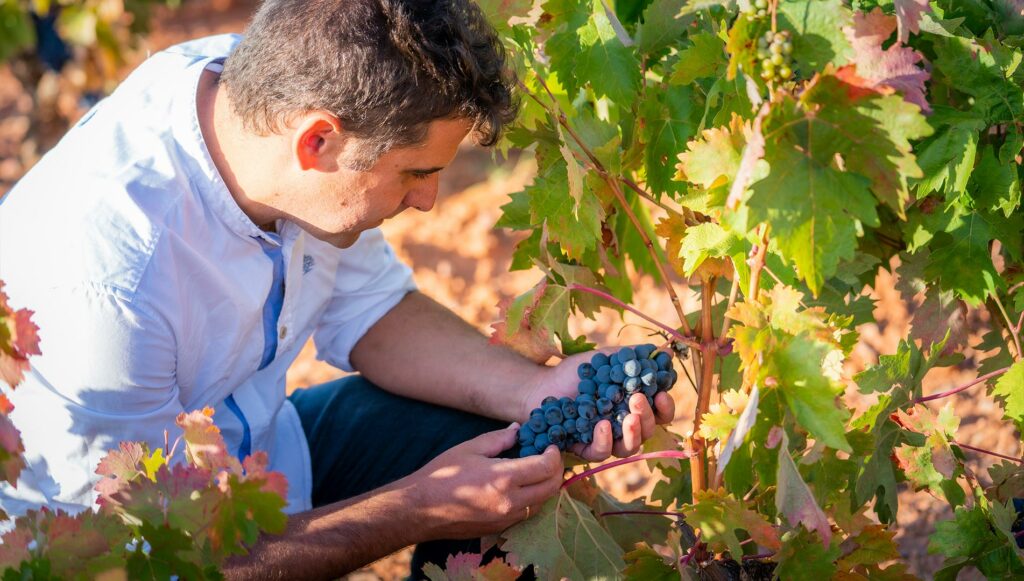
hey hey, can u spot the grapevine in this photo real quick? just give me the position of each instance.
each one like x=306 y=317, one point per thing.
x=766 y=162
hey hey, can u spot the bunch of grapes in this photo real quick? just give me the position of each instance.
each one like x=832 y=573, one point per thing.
x=606 y=384
x=774 y=50
x=1018 y=524
x=756 y=10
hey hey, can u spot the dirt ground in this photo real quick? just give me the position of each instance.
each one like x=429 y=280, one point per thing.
x=461 y=260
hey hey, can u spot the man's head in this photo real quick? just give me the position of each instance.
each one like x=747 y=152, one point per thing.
x=384 y=69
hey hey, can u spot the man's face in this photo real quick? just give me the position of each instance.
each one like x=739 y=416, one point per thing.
x=339 y=204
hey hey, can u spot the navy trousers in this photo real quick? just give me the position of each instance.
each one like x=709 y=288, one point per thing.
x=362 y=437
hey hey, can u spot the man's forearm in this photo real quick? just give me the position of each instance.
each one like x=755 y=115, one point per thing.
x=330 y=541
x=422 y=350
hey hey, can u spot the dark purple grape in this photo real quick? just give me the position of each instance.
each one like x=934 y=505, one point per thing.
x=664 y=360
x=663 y=379
x=586 y=371
x=537 y=422
x=613 y=359
x=556 y=434
x=586 y=409
x=631 y=368
x=599 y=360
x=644 y=351
x=569 y=409
x=570 y=427
x=528 y=451
x=614 y=393
x=604 y=406
x=591 y=397
x=526 y=435
x=553 y=414
x=583 y=425
x=617 y=375
x=626 y=354
x=587 y=386
x=548 y=401
x=648 y=378
x=603 y=374
x=541 y=442
x=631 y=384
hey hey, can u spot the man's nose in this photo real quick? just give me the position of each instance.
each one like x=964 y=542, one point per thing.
x=423 y=196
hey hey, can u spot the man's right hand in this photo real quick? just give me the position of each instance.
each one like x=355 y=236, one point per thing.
x=467 y=492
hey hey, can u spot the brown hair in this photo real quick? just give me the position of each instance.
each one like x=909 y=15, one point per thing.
x=385 y=68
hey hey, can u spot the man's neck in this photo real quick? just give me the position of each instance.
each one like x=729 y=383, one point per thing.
x=229 y=147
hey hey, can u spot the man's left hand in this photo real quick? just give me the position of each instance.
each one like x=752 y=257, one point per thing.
x=562 y=380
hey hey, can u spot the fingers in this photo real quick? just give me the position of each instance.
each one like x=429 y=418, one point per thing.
x=491 y=444
x=664 y=408
x=534 y=469
x=537 y=494
x=638 y=406
x=601 y=447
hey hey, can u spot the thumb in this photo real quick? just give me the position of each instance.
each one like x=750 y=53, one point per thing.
x=493 y=443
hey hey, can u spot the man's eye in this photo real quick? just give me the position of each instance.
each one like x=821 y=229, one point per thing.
x=421 y=176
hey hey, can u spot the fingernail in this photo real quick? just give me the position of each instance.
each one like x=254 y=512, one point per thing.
x=514 y=426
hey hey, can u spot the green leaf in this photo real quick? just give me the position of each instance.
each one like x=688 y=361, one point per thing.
x=960 y=260
x=718 y=516
x=576 y=227
x=646 y=564
x=16 y=30
x=995 y=184
x=974 y=68
x=668 y=124
x=498 y=12
x=819 y=37
x=947 y=158
x=610 y=67
x=1009 y=392
x=662 y=25
x=970 y=539
x=814 y=209
x=564 y=539
x=809 y=394
x=804 y=558
x=704 y=58
x=703 y=241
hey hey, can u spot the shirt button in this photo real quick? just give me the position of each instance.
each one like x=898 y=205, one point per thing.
x=284 y=332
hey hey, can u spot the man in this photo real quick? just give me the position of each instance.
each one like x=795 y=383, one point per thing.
x=191 y=232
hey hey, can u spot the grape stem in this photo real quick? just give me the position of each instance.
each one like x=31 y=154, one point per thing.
x=957 y=390
x=1009 y=326
x=672 y=332
x=708 y=352
x=681 y=455
x=989 y=452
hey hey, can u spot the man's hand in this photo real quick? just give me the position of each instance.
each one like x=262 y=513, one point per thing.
x=467 y=492
x=562 y=380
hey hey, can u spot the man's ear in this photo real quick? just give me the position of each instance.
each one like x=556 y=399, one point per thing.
x=316 y=139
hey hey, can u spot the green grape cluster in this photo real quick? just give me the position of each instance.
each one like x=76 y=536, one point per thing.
x=774 y=51
x=756 y=10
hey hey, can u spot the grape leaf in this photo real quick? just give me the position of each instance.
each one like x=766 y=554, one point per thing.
x=661 y=25
x=563 y=539
x=667 y=116
x=813 y=208
x=969 y=539
x=119 y=468
x=718 y=515
x=804 y=558
x=12 y=449
x=646 y=564
x=896 y=67
x=947 y=158
x=713 y=159
x=204 y=446
x=703 y=58
x=523 y=331
x=960 y=260
x=809 y=393
x=995 y=184
x=19 y=340
x=707 y=241
x=871 y=546
x=932 y=465
x=818 y=38
x=602 y=59
x=466 y=567
x=1009 y=392
x=974 y=68
x=908 y=17
x=575 y=226
x=794 y=499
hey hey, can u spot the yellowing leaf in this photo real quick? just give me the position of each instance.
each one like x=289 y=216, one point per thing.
x=718 y=516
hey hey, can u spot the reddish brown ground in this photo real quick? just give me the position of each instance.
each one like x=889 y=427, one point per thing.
x=462 y=261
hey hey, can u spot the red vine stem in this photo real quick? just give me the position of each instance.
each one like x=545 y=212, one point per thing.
x=644 y=194
x=989 y=452
x=674 y=333
x=680 y=455
x=943 y=394
x=644 y=512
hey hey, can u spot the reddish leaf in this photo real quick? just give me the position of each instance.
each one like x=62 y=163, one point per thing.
x=204 y=446
x=18 y=340
x=11 y=450
x=119 y=468
x=908 y=15
x=895 y=67
x=256 y=469
x=523 y=327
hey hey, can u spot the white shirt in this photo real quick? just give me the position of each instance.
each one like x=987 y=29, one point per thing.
x=149 y=286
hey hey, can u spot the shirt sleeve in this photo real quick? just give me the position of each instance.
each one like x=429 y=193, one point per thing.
x=108 y=376
x=369 y=282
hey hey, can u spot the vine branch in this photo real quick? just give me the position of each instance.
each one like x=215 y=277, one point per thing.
x=672 y=332
x=957 y=390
